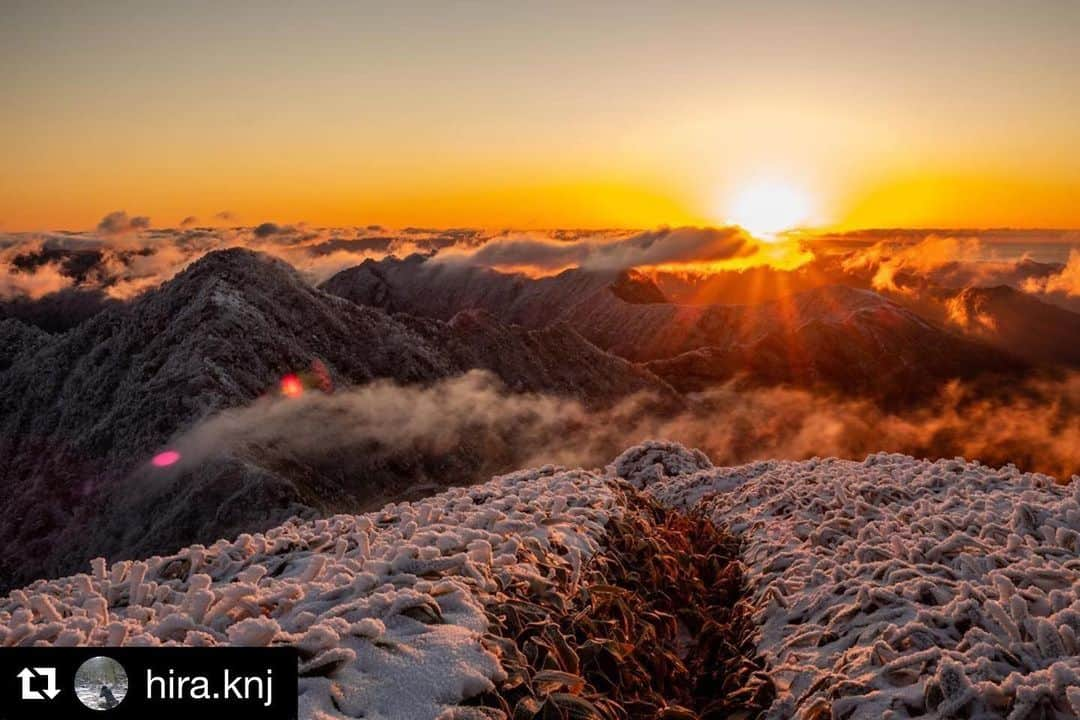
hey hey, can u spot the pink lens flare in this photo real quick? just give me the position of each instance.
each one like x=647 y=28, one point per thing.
x=291 y=386
x=165 y=459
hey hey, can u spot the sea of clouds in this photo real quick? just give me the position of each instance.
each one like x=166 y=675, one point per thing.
x=128 y=254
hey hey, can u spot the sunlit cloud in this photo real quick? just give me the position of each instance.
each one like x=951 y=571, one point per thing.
x=124 y=264
x=888 y=259
x=971 y=319
x=1066 y=282
x=910 y=264
x=43 y=281
x=717 y=247
x=127 y=257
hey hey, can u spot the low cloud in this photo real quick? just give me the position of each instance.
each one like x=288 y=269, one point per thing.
x=1066 y=282
x=386 y=417
x=132 y=274
x=907 y=265
x=886 y=260
x=120 y=267
x=43 y=281
x=125 y=257
x=545 y=254
x=1036 y=427
x=952 y=261
x=970 y=319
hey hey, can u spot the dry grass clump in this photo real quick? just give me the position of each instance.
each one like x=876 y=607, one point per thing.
x=655 y=628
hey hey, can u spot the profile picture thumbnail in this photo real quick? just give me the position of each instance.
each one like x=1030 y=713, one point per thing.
x=101 y=683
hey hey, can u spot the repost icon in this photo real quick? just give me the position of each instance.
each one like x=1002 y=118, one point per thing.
x=31 y=679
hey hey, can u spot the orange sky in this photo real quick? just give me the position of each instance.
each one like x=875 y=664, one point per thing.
x=617 y=114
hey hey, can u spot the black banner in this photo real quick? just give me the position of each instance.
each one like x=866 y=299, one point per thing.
x=41 y=683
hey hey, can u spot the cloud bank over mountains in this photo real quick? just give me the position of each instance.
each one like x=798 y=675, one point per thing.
x=662 y=247
x=1066 y=282
x=127 y=254
x=955 y=261
x=1036 y=426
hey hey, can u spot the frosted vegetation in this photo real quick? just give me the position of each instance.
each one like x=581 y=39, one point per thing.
x=891 y=588
x=387 y=609
x=898 y=588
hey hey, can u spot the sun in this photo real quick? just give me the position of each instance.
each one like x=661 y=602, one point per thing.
x=768 y=207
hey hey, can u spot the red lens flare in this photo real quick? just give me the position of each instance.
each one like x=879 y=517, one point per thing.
x=291 y=386
x=165 y=459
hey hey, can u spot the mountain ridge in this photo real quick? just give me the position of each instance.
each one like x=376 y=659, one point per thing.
x=83 y=409
x=707 y=343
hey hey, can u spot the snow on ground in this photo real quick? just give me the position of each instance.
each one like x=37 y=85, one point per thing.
x=387 y=608
x=898 y=588
x=891 y=588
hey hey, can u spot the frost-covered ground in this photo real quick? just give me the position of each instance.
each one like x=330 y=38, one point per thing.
x=898 y=588
x=888 y=588
x=386 y=608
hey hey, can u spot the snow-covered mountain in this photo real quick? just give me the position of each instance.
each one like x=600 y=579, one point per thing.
x=889 y=588
x=81 y=410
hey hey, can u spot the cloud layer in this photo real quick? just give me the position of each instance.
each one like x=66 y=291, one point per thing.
x=126 y=255
x=909 y=265
x=886 y=260
x=665 y=246
x=1036 y=426
x=1066 y=282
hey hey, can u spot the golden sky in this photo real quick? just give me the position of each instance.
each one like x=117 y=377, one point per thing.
x=554 y=114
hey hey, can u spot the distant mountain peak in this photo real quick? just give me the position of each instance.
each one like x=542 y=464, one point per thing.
x=237 y=264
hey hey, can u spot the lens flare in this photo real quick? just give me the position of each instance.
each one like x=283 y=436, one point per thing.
x=291 y=386
x=166 y=458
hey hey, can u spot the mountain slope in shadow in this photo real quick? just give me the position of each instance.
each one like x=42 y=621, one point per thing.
x=82 y=412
